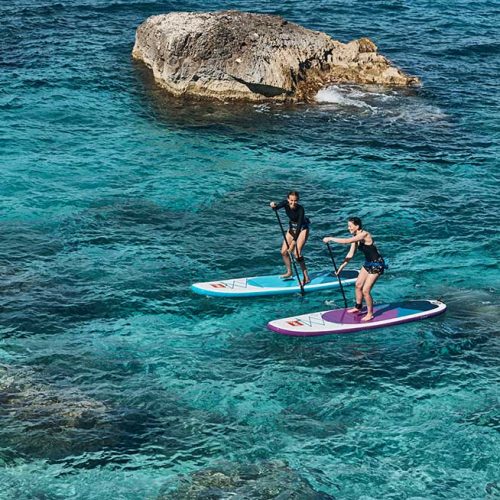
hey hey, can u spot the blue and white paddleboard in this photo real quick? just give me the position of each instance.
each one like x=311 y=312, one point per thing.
x=341 y=321
x=272 y=285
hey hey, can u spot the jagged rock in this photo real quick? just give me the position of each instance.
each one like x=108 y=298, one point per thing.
x=237 y=55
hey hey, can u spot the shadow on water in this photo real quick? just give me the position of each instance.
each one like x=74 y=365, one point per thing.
x=198 y=114
x=372 y=116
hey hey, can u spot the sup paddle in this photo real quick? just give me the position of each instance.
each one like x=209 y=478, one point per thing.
x=289 y=252
x=337 y=273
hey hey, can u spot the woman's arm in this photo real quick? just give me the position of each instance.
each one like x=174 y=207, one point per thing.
x=346 y=241
x=348 y=257
x=277 y=206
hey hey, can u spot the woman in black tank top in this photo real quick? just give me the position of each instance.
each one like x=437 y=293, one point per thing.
x=373 y=267
x=296 y=236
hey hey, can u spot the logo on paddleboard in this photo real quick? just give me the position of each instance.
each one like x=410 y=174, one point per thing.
x=218 y=285
x=295 y=322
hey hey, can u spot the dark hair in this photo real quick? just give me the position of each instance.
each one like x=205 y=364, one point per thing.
x=356 y=221
x=293 y=193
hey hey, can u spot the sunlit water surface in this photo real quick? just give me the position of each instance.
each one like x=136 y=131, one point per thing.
x=114 y=377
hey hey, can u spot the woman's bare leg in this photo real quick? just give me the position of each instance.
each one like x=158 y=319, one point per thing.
x=301 y=241
x=358 y=289
x=286 y=256
x=369 y=282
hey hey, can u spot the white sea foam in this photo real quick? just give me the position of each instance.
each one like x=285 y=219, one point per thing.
x=261 y=108
x=395 y=105
x=336 y=95
x=418 y=113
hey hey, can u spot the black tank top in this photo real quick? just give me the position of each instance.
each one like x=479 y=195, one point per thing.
x=370 y=251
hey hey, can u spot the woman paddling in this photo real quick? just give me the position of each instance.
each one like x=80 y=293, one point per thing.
x=297 y=234
x=372 y=268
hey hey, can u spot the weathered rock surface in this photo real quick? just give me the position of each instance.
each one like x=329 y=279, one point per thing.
x=256 y=57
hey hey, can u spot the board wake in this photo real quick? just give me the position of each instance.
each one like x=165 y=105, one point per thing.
x=272 y=285
x=340 y=321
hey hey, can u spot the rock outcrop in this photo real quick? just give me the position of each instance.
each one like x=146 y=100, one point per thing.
x=256 y=57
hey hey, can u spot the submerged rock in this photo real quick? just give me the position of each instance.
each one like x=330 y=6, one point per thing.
x=255 y=57
x=27 y=399
x=42 y=421
x=266 y=480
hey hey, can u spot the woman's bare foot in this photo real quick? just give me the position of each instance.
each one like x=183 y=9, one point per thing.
x=286 y=276
x=368 y=317
x=353 y=310
x=305 y=281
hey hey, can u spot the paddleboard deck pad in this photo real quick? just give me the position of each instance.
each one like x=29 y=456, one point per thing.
x=272 y=285
x=340 y=321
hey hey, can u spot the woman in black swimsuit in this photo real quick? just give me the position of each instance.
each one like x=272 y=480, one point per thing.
x=297 y=234
x=372 y=268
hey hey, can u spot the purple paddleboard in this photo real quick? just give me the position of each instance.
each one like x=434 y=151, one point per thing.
x=340 y=321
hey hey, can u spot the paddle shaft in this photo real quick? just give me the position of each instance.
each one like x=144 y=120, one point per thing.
x=337 y=273
x=289 y=252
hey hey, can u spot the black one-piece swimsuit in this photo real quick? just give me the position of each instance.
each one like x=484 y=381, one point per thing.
x=297 y=218
x=374 y=262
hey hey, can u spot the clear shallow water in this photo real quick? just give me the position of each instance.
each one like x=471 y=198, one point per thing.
x=114 y=377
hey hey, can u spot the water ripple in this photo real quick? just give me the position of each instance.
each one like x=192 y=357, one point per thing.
x=116 y=197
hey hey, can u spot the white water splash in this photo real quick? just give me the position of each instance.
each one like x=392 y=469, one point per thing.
x=336 y=95
x=396 y=105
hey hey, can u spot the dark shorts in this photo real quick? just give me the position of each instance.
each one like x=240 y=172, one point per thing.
x=375 y=267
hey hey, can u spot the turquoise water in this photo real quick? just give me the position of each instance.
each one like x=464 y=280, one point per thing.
x=114 y=377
